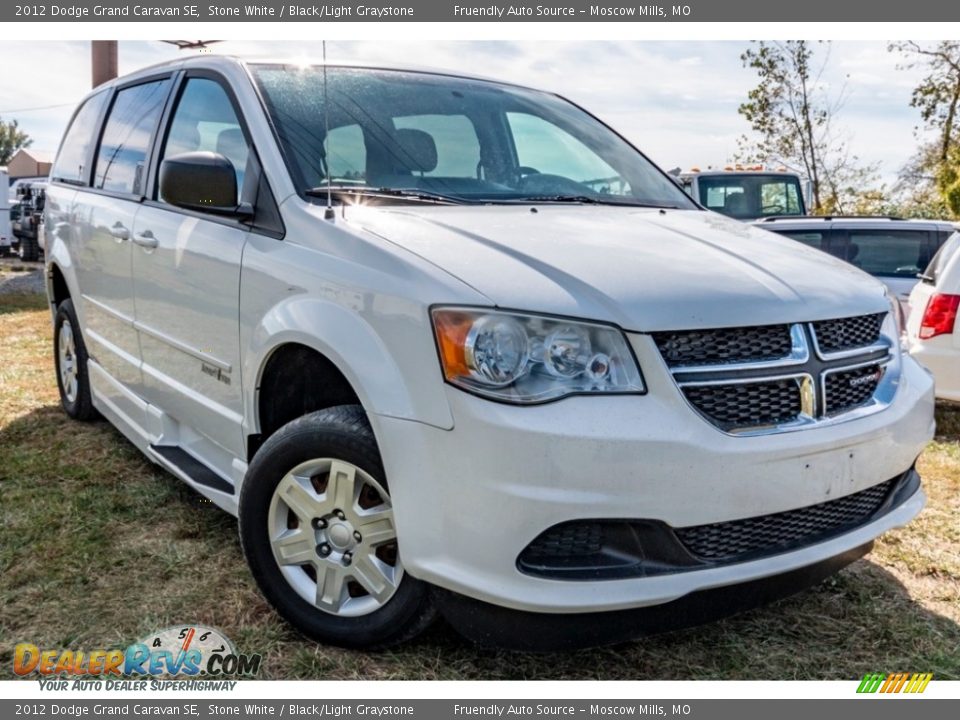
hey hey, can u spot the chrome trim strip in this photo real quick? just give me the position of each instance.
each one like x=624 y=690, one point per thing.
x=742 y=381
x=157 y=335
x=183 y=347
x=108 y=310
x=799 y=354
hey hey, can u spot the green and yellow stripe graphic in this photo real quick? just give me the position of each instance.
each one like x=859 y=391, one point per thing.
x=894 y=682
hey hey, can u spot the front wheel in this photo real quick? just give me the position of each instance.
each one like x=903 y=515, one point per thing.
x=318 y=531
x=70 y=357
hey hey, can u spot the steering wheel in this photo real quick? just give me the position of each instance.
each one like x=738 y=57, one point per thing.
x=772 y=210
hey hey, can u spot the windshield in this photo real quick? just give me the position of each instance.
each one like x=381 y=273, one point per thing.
x=747 y=197
x=465 y=140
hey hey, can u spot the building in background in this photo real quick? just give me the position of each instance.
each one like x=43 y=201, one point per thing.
x=29 y=163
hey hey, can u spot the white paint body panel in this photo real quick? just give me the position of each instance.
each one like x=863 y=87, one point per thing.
x=941 y=354
x=473 y=481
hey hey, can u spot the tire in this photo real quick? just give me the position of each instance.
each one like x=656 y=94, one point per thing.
x=316 y=494
x=73 y=381
x=29 y=249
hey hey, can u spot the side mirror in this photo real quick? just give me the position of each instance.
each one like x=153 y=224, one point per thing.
x=201 y=181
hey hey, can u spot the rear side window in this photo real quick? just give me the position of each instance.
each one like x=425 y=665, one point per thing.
x=890 y=253
x=126 y=136
x=72 y=164
x=812 y=238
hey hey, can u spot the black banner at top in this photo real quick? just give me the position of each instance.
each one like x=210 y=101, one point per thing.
x=280 y=11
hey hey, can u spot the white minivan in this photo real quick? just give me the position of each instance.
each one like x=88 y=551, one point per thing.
x=449 y=344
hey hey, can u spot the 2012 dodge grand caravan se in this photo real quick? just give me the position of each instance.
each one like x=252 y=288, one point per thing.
x=443 y=343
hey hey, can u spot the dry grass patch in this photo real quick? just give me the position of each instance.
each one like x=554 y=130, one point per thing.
x=98 y=547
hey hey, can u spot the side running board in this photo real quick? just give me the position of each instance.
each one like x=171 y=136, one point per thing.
x=192 y=468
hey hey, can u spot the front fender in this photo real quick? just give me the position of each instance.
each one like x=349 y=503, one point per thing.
x=355 y=347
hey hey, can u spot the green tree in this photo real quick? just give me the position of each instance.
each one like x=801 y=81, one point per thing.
x=12 y=138
x=937 y=97
x=792 y=116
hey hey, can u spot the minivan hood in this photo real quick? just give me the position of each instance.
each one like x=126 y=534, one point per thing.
x=643 y=269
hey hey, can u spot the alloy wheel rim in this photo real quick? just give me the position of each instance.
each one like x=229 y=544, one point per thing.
x=333 y=536
x=67 y=361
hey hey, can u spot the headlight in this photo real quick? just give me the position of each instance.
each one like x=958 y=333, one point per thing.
x=521 y=358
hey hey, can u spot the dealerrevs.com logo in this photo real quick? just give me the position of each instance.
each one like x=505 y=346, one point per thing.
x=182 y=650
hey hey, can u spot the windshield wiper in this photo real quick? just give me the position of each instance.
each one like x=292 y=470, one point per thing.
x=591 y=200
x=388 y=192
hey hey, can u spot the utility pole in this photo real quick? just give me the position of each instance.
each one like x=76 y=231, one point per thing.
x=103 y=60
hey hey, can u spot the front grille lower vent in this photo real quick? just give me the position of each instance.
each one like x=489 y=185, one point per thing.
x=768 y=534
x=741 y=405
x=568 y=540
x=848 y=389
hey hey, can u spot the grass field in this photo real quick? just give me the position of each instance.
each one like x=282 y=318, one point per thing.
x=98 y=547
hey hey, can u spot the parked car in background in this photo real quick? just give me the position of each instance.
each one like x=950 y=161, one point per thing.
x=891 y=249
x=6 y=231
x=446 y=343
x=28 y=225
x=932 y=330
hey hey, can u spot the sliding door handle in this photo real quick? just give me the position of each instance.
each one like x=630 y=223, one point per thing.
x=146 y=239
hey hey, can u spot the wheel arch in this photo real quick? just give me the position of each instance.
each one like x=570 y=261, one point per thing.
x=349 y=352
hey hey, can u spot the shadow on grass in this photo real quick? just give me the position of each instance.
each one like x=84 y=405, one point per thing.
x=98 y=548
x=19 y=302
x=948 y=421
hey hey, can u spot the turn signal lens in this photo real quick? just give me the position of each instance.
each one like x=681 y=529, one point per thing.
x=940 y=316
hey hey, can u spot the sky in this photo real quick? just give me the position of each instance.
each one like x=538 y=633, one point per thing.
x=677 y=101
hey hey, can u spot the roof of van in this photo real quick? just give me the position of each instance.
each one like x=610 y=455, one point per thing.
x=222 y=61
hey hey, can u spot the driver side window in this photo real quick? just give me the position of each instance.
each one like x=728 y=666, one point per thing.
x=205 y=120
x=544 y=148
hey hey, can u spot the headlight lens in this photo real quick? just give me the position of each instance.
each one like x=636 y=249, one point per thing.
x=521 y=358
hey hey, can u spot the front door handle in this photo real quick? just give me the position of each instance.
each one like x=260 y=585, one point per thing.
x=119 y=232
x=146 y=240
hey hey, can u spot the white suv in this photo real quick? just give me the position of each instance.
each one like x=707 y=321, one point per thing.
x=446 y=343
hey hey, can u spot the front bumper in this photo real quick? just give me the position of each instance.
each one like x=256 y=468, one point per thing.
x=469 y=500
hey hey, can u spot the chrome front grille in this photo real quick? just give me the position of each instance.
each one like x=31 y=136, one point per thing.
x=725 y=345
x=847 y=389
x=753 y=381
x=740 y=405
x=847 y=333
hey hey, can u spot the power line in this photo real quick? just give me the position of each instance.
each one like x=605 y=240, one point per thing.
x=37 y=109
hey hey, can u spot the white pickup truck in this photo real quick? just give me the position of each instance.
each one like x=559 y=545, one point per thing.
x=747 y=192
